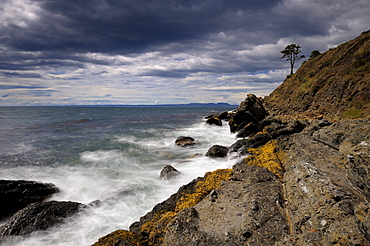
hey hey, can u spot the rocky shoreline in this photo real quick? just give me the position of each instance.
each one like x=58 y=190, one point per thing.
x=305 y=181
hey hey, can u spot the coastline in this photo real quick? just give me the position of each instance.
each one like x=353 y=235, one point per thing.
x=297 y=186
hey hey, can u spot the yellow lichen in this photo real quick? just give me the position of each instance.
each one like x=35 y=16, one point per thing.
x=157 y=225
x=212 y=180
x=269 y=156
x=160 y=219
x=119 y=236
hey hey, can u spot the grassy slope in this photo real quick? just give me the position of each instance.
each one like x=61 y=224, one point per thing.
x=336 y=83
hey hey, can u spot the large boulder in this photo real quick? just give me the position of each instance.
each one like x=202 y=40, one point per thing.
x=39 y=216
x=217 y=151
x=17 y=194
x=185 y=141
x=250 y=110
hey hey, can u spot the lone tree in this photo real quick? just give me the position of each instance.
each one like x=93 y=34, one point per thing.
x=290 y=53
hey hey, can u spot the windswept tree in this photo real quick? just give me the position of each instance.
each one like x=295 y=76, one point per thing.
x=291 y=54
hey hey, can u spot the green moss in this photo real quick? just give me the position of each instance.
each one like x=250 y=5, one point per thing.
x=354 y=113
x=269 y=156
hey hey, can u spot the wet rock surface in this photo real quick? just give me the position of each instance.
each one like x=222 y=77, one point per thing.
x=217 y=151
x=184 y=141
x=17 y=194
x=169 y=172
x=39 y=216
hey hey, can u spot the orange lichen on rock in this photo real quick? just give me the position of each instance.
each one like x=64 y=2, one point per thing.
x=269 y=156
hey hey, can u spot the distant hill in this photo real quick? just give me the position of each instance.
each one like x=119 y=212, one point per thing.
x=336 y=83
x=188 y=105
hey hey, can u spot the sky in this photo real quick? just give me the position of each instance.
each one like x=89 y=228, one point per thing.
x=134 y=52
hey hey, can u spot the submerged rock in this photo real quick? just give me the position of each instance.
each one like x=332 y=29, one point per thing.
x=17 y=194
x=185 y=141
x=169 y=172
x=39 y=216
x=217 y=151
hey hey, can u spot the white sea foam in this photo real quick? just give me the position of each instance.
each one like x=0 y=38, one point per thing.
x=126 y=183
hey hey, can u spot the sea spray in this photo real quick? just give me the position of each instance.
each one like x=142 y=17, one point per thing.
x=115 y=169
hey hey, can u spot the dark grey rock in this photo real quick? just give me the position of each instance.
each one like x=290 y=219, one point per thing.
x=185 y=141
x=17 y=194
x=224 y=115
x=39 y=216
x=217 y=151
x=169 y=172
x=214 y=121
x=257 y=140
x=248 y=130
x=250 y=110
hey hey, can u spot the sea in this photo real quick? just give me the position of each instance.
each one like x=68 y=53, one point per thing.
x=108 y=157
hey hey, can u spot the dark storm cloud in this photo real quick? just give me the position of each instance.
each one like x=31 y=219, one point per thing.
x=60 y=31
x=128 y=26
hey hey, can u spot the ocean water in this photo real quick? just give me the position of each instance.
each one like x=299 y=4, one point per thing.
x=109 y=154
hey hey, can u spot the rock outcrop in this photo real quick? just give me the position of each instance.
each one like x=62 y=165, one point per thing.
x=250 y=110
x=304 y=174
x=17 y=194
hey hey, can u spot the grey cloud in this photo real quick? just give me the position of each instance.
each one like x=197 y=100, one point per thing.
x=11 y=87
x=21 y=75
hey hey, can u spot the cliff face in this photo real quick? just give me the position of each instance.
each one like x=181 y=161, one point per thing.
x=305 y=179
x=336 y=82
